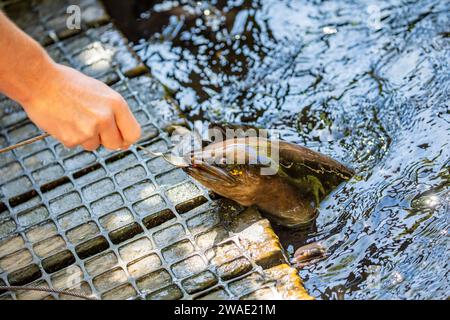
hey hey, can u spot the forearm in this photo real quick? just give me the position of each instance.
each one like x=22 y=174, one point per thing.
x=24 y=64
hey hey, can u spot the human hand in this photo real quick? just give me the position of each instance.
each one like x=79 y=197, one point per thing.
x=79 y=110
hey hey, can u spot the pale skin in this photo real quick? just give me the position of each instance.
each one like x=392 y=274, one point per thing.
x=72 y=107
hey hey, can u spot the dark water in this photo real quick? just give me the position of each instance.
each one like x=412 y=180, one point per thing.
x=366 y=82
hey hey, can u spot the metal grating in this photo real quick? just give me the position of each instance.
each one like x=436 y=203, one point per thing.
x=120 y=225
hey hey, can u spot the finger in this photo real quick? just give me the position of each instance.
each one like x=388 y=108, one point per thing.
x=110 y=135
x=91 y=144
x=69 y=145
x=127 y=124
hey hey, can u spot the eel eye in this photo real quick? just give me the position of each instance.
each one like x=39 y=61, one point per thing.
x=236 y=172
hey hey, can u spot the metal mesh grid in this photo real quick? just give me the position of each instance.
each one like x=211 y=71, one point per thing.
x=116 y=225
x=37 y=17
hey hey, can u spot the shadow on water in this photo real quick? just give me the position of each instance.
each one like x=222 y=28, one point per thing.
x=365 y=82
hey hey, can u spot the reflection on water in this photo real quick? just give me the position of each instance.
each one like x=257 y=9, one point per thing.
x=366 y=82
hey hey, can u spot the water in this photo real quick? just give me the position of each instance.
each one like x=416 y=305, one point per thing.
x=366 y=82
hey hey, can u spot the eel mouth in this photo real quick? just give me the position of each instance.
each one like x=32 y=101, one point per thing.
x=210 y=174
